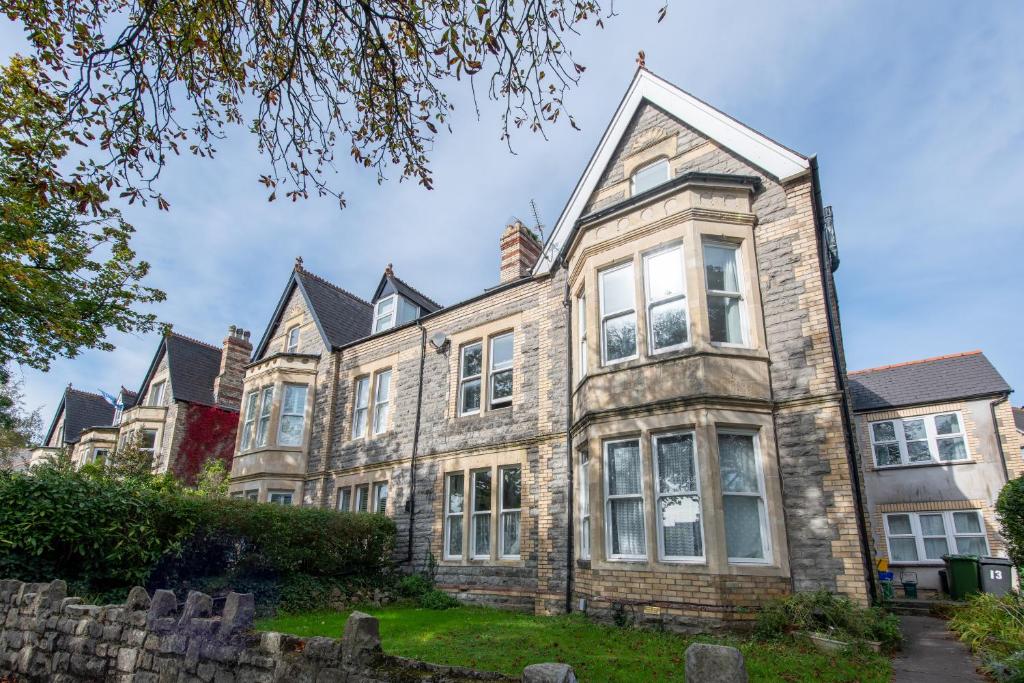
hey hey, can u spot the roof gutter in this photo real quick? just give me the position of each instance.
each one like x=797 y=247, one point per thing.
x=827 y=284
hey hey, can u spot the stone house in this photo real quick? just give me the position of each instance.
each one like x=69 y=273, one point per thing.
x=937 y=444
x=83 y=425
x=647 y=415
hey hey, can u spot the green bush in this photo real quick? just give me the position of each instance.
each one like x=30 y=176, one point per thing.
x=414 y=586
x=435 y=599
x=833 y=615
x=104 y=535
x=1010 y=510
x=994 y=628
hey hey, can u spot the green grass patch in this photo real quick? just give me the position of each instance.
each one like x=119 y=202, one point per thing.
x=496 y=640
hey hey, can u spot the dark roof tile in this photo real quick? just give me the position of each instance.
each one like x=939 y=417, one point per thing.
x=343 y=316
x=83 y=410
x=193 y=366
x=1018 y=418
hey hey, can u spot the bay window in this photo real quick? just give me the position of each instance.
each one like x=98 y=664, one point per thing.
x=666 y=299
x=680 y=531
x=249 y=421
x=618 y=314
x=147 y=442
x=509 y=520
x=924 y=537
x=381 y=399
x=500 y=385
x=480 y=514
x=453 y=515
x=263 y=423
x=293 y=415
x=470 y=369
x=280 y=497
x=725 y=297
x=624 y=515
x=918 y=440
x=743 y=505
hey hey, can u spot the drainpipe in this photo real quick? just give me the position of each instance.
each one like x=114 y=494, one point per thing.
x=840 y=370
x=416 y=439
x=570 y=541
x=999 y=438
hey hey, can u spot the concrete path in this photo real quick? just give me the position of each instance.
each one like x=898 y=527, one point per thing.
x=931 y=653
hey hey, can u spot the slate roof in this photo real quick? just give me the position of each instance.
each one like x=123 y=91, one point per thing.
x=342 y=316
x=128 y=397
x=192 y=367
x=1018 y=418
x=931 y=380
x=81 y=411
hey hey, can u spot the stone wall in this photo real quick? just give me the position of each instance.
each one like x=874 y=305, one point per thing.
x=48 y=636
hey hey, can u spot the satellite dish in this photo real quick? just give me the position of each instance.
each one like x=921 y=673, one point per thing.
x=439 y=340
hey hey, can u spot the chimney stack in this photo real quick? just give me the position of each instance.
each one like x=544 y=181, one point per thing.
x=234 y=356
x=520 y=250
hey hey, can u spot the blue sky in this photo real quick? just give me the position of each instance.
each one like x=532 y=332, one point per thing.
x=915 y=110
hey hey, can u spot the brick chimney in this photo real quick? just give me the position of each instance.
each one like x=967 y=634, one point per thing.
x=234 y=356
x=519 y=252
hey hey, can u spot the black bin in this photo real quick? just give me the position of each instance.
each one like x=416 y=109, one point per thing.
x=996 y=575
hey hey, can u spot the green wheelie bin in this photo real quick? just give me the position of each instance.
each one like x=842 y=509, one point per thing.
x=963 y=575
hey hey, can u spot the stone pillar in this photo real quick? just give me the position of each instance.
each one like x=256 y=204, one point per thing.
x=520 y=250
x=234 y=356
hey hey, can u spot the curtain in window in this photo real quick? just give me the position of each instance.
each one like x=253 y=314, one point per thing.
x=679 y=514
x=627 y=514
x=741 y=500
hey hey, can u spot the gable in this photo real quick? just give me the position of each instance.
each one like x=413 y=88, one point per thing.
x=646 y=97
x=294 y=312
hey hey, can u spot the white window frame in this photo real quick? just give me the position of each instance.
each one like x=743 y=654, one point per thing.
x=723 y=293
x=381 y=406
x=933 y=440
x=463 y=380
x=608 y=498
x=264 y=415
x=291 y=343
x=156 y=393
x=344 y=502
x=474 y=513
x=766 y=536
x=659 y=494
x=610 y=315
x=379 y=317
x=282 y=496
x=581 y=321
x=503 y=511
x=650 y=302
x=917 y=534
x=301 y=414
x=156 y=443
x=361 y=412
x=379 y=486
x=96 y=457
x=249 y=419
x=645 y=167
x=585 y=530
x=361 y=498
x=449 y=516
x=495 y=368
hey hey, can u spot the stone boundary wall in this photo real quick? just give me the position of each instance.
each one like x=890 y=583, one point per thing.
x=48 y=636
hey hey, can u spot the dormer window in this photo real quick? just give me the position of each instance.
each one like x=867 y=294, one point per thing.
x=156 y=394
x=651 y=175
x=385 y=316
x=292 y=344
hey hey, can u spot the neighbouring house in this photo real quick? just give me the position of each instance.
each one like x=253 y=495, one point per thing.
x=1018 y=421
x=647 y=416
x=83 y=426
x=937 y=444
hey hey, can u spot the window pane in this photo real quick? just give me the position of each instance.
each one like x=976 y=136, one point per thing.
x=510 y=533
x=363 y=392
x=454 y=535
x=501 y=386
x=455 y=496
x=668 y=324
x=650 y=176
x=743 y=527
x=971 y=545
x=902 y=550
x=627 y=527
x=919 y=451
x=967 y=523
x=680 y=520
x=381 y=498
x=720 y=268
x=360 y=422
x=471 y=396
x=900 y=525
x=482 y=535
x=676 y=470
x=624 y=468
x=935 y=548
x=884 y=431
x=887 y=454
x=383 y=389
x=511 y=488
x=738 y=464
x=501 y=351
x=472 y=360
x=148 y=439
x=665 y=274
x=931 y=525
x=386 y=305
x=617 y=290
x=291 y=430
x=345 y=500
x=407 y=311
x=380 y=418
x=914 y=430
x=952 y=449
x=385 y=322
x=481 y=491
x=294 y=399
x=947 y=424
x=620 y=337
x=724 y=319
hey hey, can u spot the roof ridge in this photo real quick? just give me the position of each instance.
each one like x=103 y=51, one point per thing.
x=330 y=284
x=87 y=393
x=417 y=291
x=172 y=333
x=948 y=356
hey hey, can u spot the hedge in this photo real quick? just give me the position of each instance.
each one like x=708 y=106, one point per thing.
x=105 y=535
x=1010 y=509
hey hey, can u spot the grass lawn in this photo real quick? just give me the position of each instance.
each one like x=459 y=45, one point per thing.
x=495 y=640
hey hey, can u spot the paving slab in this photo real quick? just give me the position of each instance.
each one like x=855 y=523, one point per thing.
x=932 y=653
